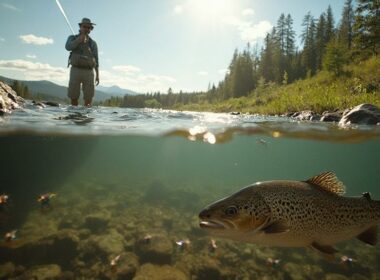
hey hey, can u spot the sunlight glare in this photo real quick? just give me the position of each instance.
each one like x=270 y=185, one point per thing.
x=212 y=9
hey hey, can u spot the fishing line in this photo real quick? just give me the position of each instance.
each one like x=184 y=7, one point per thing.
x=64 y=14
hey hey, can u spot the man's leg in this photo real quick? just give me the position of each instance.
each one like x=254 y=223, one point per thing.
x=74 y=86
x=88 y=87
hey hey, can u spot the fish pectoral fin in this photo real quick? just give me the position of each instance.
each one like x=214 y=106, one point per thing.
x=369 y=236
x=325 y=249
x=276 y=227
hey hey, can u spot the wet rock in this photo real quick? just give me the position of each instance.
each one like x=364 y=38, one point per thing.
x=111 y=243
x=306 y=116
x=125 y=269
x=38 y=104
x=157 y=250
x=361 y=114
x=208 y=268
x=98 y=222
x=299 y=271
x=51 y=103
x=155 y=272
x=7 y=270
x=77 y=118
x=8 y=99
x=335 y=276
x=66 y=275
x=331 y=116
x=51 y=271
x=45 y=250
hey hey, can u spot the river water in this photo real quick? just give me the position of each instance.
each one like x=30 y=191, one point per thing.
x=129 y=184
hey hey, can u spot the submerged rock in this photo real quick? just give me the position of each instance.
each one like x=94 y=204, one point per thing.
x=335 y=276
x=9 y=100
x=42 y=272
x=155 y=272
x=98 y=221
x=58 y=248
x=111 y=243
x=158 y=250
x=7 y=270
x=361 y=114
x=125 y=269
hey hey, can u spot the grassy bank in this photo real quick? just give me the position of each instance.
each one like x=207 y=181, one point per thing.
x=360 y=83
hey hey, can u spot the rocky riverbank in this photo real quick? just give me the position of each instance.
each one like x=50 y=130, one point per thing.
x=9 y=100
x=367 y=114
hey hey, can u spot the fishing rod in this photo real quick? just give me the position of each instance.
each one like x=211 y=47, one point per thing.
x=64 y=15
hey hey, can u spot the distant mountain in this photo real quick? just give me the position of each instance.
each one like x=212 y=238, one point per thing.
x=117 y=91
x=49 y=90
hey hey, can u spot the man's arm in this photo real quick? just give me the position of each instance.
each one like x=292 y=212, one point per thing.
x=73 y=42
x=95 y=53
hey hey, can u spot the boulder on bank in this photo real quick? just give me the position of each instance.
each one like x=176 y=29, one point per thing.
x=331 y=116
x=9 y=100
x=361 y=114
x=306 y=116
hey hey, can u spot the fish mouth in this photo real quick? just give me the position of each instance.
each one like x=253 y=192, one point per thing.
x=212 y=224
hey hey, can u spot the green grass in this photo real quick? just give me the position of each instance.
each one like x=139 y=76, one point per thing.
x=324 y=92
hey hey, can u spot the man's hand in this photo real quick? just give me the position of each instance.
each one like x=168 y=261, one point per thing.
x=97 y=80
x=82 y=38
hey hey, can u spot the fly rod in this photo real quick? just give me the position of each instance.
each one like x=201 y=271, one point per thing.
x=64 y=15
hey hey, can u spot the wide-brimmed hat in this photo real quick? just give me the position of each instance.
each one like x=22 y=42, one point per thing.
x=87 y=21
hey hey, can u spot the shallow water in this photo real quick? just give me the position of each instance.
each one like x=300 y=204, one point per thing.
x=132 y=182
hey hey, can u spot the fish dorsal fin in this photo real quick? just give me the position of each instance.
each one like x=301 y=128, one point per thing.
x=329 y=182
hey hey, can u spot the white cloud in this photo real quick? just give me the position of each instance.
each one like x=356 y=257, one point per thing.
x=2 y=40
x=10 y=7
x=249 y=32
x=248 y=12
x=257 y=31
x=36 y=70
x=35 y=40
x=31 y=56
x=127 y=69
x=203 y=73
x=178 y=9
x=134 y=78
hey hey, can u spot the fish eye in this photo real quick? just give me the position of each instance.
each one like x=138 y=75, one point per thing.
x=231 y=211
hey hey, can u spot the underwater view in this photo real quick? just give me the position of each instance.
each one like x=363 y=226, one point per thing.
x=111 y=193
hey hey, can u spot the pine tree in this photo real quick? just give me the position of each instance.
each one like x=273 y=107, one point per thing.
x=309 y=49
x=289 y=37
x=329 y=33
x=367 y=27
x=281 y=33
x=335 y=57
x=345 y=31
x=320 y=42
x=266 y=62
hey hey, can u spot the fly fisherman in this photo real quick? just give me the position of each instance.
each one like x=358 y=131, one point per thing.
x=83 y=59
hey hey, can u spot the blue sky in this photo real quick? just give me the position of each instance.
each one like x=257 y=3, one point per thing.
x=144 y=45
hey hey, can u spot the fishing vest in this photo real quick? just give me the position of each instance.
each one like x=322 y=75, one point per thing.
x=82 y=56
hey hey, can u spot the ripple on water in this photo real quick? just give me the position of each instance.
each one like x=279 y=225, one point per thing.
x=157 y=122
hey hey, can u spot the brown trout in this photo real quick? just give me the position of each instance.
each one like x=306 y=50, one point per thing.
x=310 y=213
